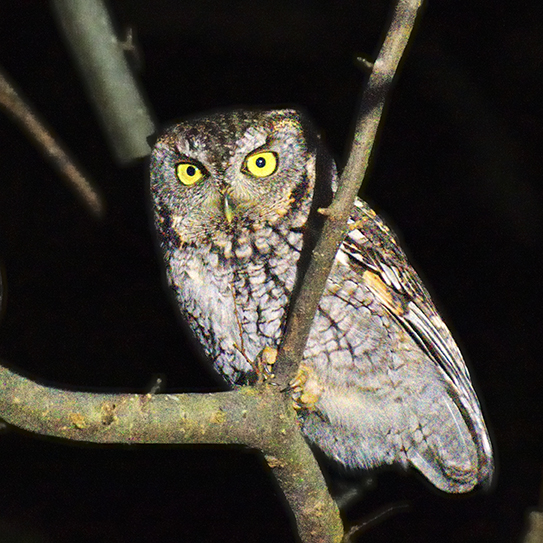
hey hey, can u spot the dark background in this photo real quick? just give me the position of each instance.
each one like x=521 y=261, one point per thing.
x=457 y=172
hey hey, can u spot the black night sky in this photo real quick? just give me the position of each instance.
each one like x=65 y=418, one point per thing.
x=457 y=172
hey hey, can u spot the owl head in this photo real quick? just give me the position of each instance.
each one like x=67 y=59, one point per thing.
x=222 y=177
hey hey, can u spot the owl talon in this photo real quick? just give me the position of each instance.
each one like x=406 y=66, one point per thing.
x=264 y=364
x=297 y=383
x=306 y=390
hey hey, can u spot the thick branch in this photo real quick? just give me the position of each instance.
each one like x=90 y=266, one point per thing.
x=22 y=114
x=333 y=232
x=111 y=86
x=256 y=417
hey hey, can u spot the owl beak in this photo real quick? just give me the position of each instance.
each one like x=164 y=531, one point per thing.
x=228 y=208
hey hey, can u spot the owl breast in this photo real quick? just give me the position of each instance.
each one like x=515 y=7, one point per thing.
x=235 y=301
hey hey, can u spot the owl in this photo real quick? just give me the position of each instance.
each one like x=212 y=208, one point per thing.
x=381 y=381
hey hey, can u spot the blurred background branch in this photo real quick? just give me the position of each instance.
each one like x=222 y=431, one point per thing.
x=19 y=110
x=111 y=86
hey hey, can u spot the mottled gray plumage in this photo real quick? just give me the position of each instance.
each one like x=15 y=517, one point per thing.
x=381 y=381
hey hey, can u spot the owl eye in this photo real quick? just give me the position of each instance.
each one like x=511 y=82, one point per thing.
x=188 y=173
x=261 y=164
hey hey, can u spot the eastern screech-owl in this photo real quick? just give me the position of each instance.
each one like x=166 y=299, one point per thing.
x=381 y=381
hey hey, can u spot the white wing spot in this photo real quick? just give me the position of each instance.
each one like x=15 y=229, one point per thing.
x=342 y=258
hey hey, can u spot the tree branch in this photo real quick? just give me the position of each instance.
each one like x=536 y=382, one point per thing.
x=256 y=417
x=16 y=107
x=111 y=87
x=334 y=228
x=259 y=417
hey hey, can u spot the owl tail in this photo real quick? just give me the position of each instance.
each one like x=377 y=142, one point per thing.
x=448 y=451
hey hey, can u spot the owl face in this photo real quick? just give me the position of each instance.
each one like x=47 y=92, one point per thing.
x=229 y=174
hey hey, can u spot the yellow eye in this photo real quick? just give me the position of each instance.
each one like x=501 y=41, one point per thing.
x=261 y=164
x=188 y=173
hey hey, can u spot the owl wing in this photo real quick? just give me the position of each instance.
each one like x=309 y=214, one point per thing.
x=374 y=252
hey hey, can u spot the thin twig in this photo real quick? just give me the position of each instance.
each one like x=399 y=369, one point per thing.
x=364 y=64
x=376 y=517
x=17 y=108
x=333 y=232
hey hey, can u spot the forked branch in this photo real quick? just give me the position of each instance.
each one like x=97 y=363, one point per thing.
x=254 y=417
